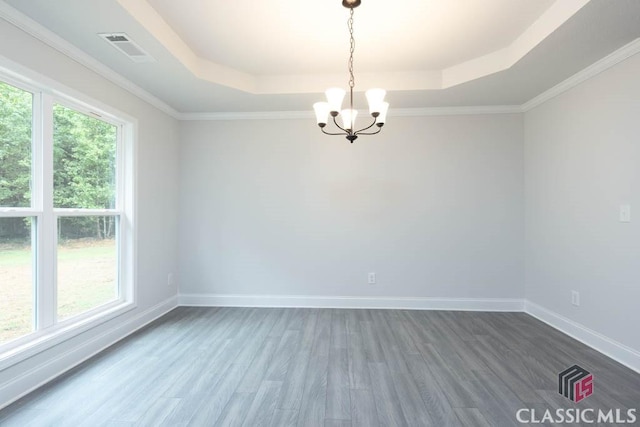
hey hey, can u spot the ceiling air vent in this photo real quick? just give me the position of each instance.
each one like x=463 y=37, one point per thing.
x=124 y=44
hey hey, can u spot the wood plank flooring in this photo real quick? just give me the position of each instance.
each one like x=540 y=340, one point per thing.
x=325 y=367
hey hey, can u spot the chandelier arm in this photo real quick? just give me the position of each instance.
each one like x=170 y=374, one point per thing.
x=329 y=133
x=340 y=127
x=358 y=132
x=371 y=133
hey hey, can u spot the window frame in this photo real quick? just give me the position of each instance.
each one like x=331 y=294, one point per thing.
x=48 y=330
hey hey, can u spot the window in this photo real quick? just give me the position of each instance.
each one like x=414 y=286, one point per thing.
x=66 y=215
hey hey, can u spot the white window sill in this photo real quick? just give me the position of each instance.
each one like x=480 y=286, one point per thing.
x=37 y=342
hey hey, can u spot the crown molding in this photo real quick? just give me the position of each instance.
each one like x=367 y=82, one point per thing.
x=455 y=111
x=249 y=115
x=51 y=39
x=593 y=70
x=397 y=112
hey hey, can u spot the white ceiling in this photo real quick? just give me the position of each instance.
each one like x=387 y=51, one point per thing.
x=279 y=55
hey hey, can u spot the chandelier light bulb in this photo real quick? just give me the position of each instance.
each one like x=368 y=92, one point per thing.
x=375 y=98
x=349 y=118
x=335 y=96
x=322 y=112
x=382 y=117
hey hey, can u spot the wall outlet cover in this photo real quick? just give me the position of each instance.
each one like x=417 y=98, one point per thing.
x=575 y=298
x=625 y=213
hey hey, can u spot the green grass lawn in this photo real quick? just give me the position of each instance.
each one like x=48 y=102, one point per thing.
x=86 y=279
x=13 y=257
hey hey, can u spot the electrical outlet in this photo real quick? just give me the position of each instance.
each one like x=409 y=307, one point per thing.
x=170 y=280
x=625 y=213
x=372 y=278
x=575 y=298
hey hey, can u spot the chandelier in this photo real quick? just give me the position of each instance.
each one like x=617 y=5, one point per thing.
x=375 y=98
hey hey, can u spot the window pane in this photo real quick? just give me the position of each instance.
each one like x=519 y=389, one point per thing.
x=84 y=159
x=16 y=110
x=87 y=263
x=16 y=279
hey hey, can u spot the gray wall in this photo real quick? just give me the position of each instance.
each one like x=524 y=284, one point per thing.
x=433 y=205
x=582 y=152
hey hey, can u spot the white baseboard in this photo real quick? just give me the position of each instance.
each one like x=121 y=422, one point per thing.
x=458 y=304
x=605 y=345
x=56 y=366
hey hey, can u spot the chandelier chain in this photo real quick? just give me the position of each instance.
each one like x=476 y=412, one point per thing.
x=352 y=48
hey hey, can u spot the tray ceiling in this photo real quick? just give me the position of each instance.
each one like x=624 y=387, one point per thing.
x=215 y=55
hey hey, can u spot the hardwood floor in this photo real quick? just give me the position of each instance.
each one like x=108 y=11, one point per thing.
x=325 y=367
